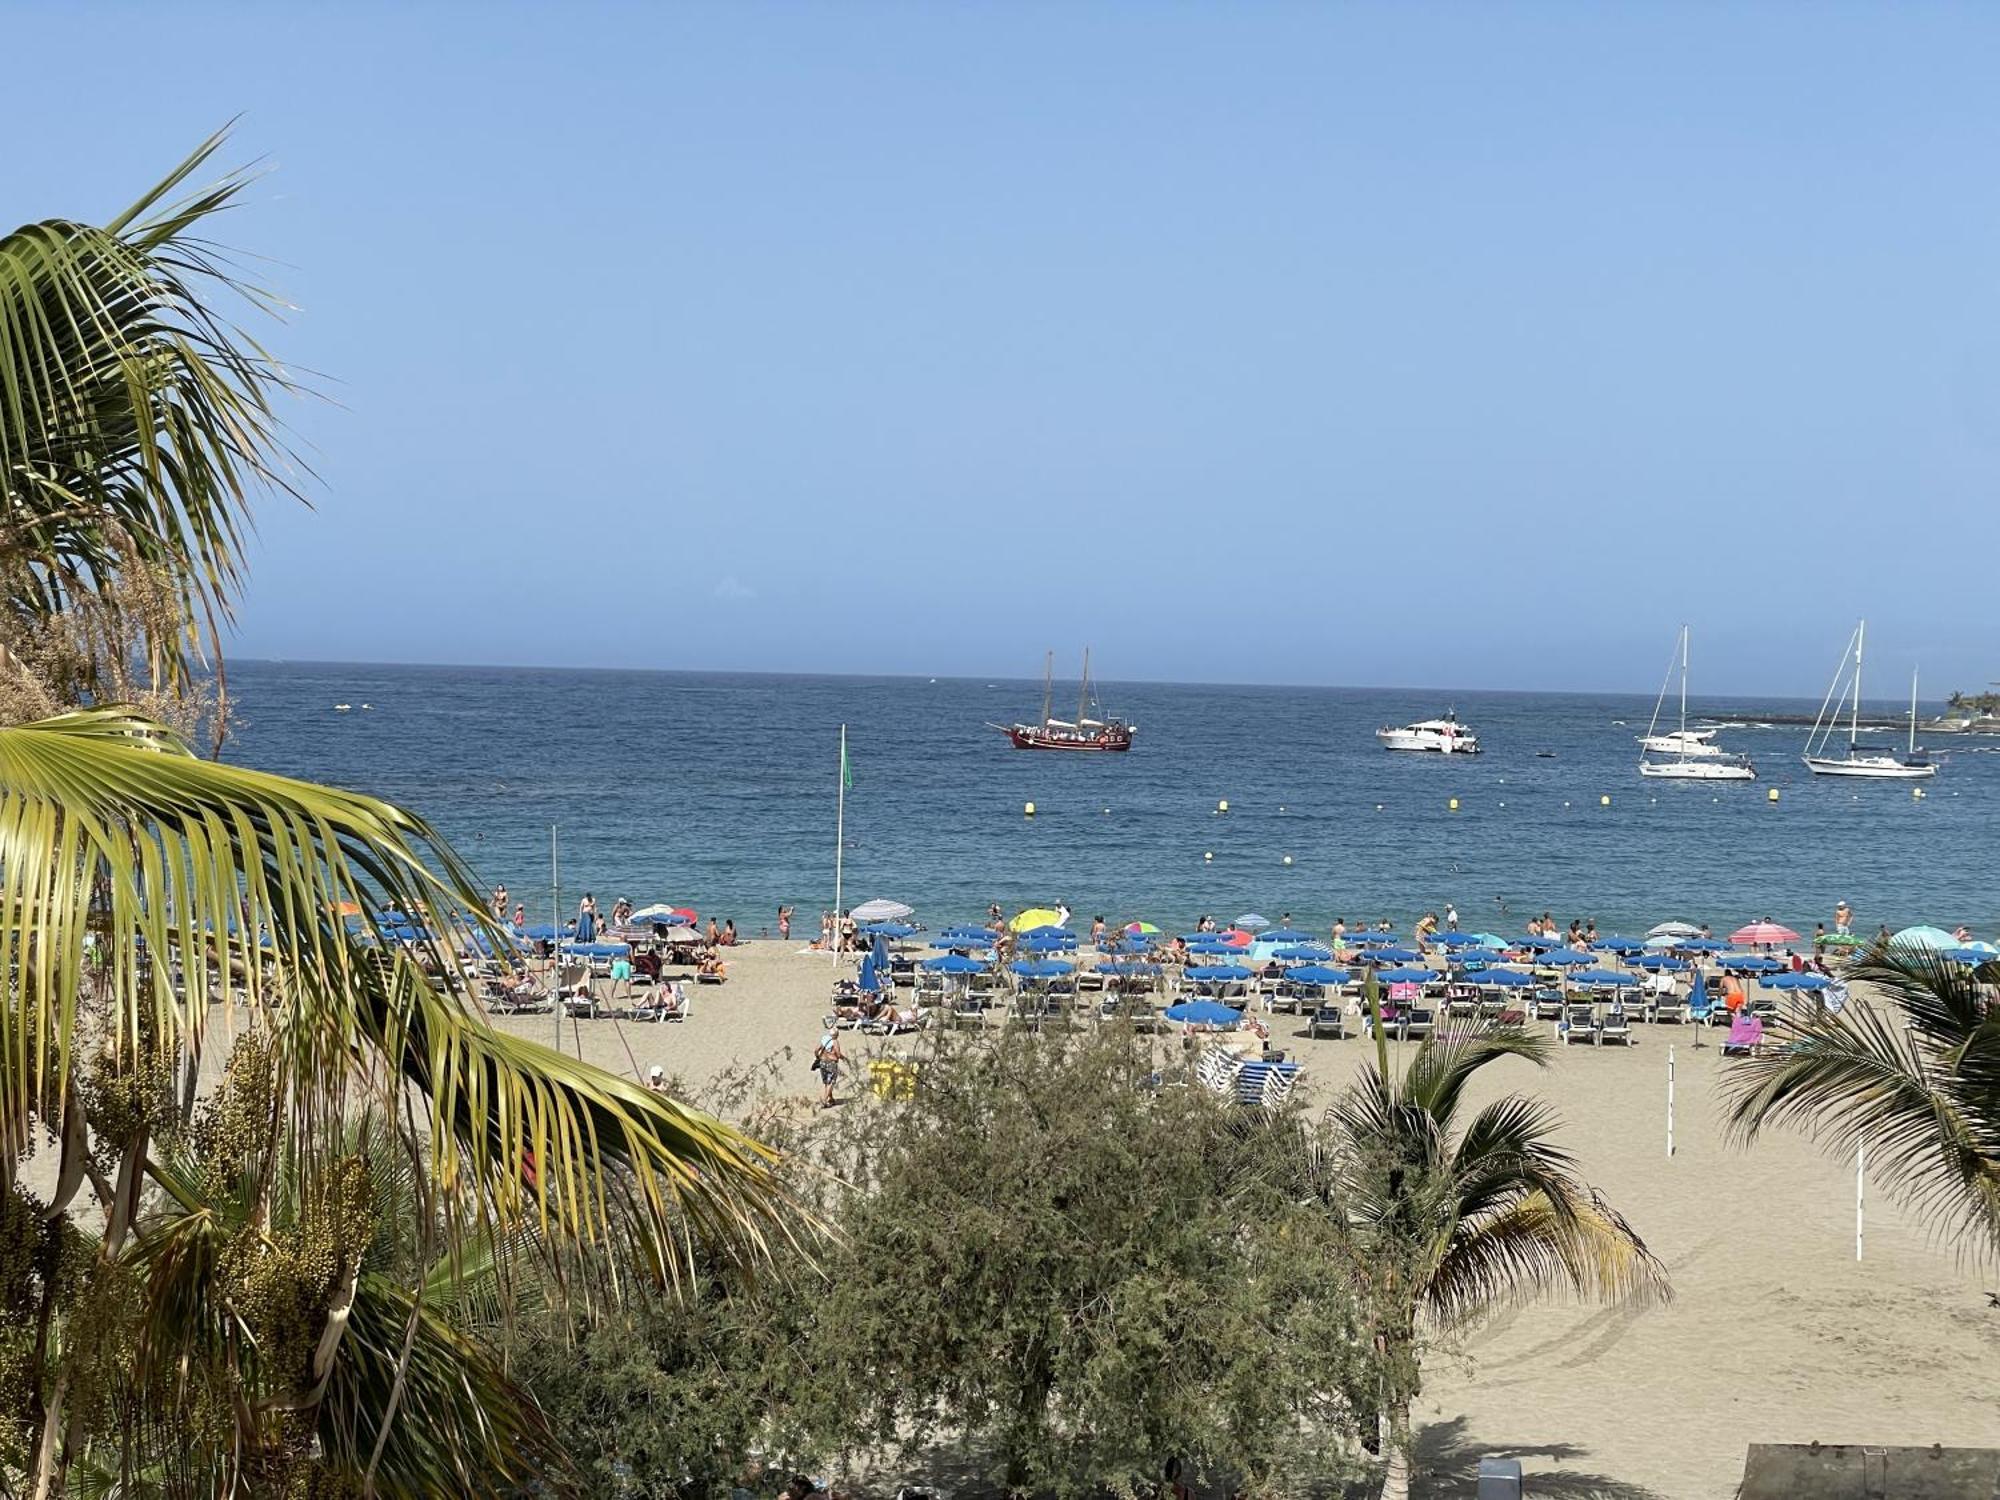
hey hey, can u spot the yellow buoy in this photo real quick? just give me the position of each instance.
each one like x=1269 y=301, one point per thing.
x=1453 y=804
x=1206 y=856
x=1222 y=806
x=1605 y=800
x=1288 y=859
x=1028 y=810
x=1917 y=792
x=1772 y=795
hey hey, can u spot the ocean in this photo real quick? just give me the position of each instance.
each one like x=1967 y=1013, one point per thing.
x=718 y=791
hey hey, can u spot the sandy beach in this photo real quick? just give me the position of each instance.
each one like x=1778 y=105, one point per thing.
x=1775 y=1333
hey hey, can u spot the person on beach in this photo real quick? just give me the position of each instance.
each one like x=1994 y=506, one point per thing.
x=826 y=931
x=1097 y=931
x=656 y=1079
x=520 y=918
x=714 y=933
x=1339 y=935
x=729 y=933
x=784 y=924
x=1450 y=917
x=586 y=919
x=827 y=1058
x=500 y=902
x=621 y=976
x=1843 y=917
x=621 y=911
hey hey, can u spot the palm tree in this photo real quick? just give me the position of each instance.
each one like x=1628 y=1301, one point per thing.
x=1447 y=1218
x=1911 y=1069
x=135 y=875
x=136 y=426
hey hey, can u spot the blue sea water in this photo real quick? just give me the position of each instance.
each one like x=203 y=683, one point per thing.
x=719 y=791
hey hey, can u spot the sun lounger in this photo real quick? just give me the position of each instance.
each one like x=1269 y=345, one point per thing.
x=1216 y=1070
x=1615 y=1027
x=1329 y=1021
x=1746 y=1037
x=1462 y=1000
x=667 y=1003
x=1670 y=1010
x=1548 y=1005
x=1579 y=1024
x=583 y=1003
x=1264 y=1083
x=1417 y=1023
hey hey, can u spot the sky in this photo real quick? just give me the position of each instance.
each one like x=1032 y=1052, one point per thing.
x=1467 y=345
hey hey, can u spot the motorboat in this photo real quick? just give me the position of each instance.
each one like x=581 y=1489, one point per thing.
x=1687 y=754
x=1445 y=736
x=1860 y=760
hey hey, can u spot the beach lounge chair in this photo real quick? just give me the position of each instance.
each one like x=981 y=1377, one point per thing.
x=1216 y=1070
x=1615 y=1027
x=1462 y=1000
x=1265 y=1083
x=1329 y=1021
x=1548 y=1005
x=1418 y=1022
x=667 y=1003
x=1746 y=1036
x=1670 y=1010
x=582 y=1002
x=1579 y=1024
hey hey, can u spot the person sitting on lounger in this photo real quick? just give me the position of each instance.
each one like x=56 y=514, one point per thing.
x=709 y=970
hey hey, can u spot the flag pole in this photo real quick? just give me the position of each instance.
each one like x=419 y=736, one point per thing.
x=555 y=901
x=839 y=842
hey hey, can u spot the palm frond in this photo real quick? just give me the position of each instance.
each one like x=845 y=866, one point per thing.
x=111 y=828
x=131 y=414
x=1549 y=1241
x=1449 y=1060
x=1911 y=1068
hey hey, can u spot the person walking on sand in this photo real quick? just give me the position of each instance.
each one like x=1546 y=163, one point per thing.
x=784 y=924
x=1843 y=918
x=827 y=1058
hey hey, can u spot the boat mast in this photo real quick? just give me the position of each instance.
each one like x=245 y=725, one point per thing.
x=1854 y=716
x=1913 y=711
x=1684 y=691
x=1048 y=679
x=1653 y=725
x=1083 y=697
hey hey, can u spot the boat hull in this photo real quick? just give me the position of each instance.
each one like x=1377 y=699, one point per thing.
x=1883 y=769
x=1109 y=742
x=1434 y=744
x=1697 y=770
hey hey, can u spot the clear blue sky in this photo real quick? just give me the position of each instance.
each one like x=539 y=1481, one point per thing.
x=1464 y=345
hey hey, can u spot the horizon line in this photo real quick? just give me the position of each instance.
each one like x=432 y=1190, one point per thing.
x=921 y=677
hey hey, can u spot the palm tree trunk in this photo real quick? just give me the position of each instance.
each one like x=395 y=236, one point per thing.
x=1396 y=1452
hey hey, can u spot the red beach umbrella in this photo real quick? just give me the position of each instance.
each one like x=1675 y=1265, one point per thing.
x=1236 y=937
x=1762 y=932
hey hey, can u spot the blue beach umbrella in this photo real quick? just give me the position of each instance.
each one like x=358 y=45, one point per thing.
x=1211 y=946
x=1660 y=963
x=1048 y=942
x=542 y=932
x=1567 y=958
x=1212 y=973
x=1318 y=974
x=1284 y=935
x=1457 y=940
x=1041 y=968
x=1701 y=945
x=1800 y=981
x=1393 y=955
x=1303 y=953
x=889 y=929
x=1616 y=944
x=1479 y=956
x=871 y=974
x=1537 y=943
x=1751 y=963
x=1407 y=976
x=1203 y=1013
x=1373 y=939
x=598 y=950
x=1511 y=979
x=954 y=963
x=1595 y=979
x=1982 y=953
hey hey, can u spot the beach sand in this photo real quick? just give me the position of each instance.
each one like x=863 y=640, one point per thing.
x=1774 y=1333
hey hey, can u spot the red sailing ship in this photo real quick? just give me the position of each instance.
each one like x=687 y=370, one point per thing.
x=1082 y=733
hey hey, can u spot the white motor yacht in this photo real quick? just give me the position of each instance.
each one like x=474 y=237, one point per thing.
x=1445 y=736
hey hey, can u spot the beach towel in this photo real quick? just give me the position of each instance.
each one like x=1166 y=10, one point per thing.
x=1745 y=1033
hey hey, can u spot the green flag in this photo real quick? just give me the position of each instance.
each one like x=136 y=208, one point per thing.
x=846 y=771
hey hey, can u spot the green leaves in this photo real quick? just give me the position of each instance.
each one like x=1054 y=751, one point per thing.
x=136 y=422
x=1912 y=1067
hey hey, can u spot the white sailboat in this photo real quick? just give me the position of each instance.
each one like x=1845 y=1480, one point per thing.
x=1691 y=755
x=1860 y=760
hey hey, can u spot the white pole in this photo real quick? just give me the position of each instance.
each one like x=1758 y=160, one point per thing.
x=555 y=901
x=1670 y=1099
x=1860 y=1192
x=839 y=842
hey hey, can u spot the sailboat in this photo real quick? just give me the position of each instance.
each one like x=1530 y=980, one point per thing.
x=1081 y=733
x=1860 y=760
x=1691 y=756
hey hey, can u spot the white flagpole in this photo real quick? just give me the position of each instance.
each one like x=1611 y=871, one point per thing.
x=1860 y=1191
x=839 y=842
x=555 y=900
x=1670 y=1099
